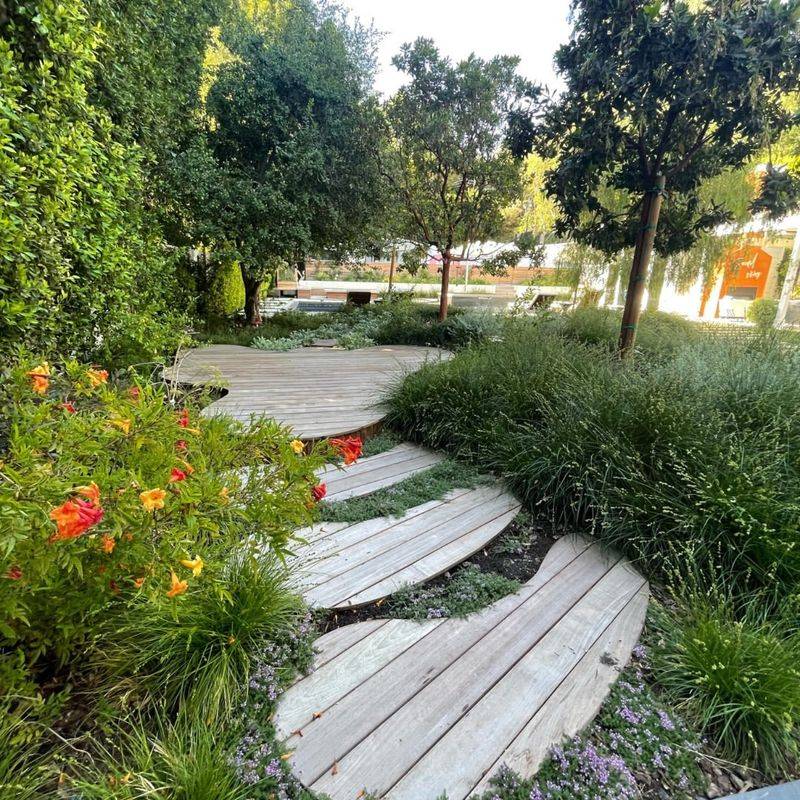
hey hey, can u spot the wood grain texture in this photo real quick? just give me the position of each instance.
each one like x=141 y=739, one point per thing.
x=368 y=475
x=392 y=708
x=318 y=392
x=353 y=565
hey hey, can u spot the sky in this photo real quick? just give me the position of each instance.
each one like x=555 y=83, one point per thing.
x=530 y=29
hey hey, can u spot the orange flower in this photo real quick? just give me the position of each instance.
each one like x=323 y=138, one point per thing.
x=223 y=493
x=137 y=582
x=319 y=491
x=123 y=424
x=91 y=493
x=96 y=377
x=109 y=543
x=177 y=475
x=349 y=448
x=187 y=467
x=73 y=518
x=183 y=418
x=177 y=587
x=297 y=446
x=194 y=564
x=40 y=381
x=153 y=499
x=69 y=408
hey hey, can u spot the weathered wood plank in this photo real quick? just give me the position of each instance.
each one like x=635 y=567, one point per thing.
x=317 y=392
x=503 y=685
x=347 y=563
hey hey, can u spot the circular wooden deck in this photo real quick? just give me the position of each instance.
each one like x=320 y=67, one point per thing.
x=319 y=392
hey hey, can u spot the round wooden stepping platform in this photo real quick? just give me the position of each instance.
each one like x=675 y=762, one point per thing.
x=351 y=564
x=319 y=392
x=409 y=710
x=377 y=472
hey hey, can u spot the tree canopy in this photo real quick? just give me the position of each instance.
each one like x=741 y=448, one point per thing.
x=658 y=89
x=447 y=158
x=286 y=164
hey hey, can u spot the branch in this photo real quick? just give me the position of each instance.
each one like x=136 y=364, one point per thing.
x=692 y=151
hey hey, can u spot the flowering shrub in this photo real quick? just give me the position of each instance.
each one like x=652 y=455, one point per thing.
x=109 y=494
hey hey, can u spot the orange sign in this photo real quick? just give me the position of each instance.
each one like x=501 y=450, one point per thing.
x=746 y=267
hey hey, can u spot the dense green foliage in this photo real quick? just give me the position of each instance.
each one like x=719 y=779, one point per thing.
x=81 y=270
x=286 y=162
x=762 y=312
x=734 y=673
x=663 y=88
x=106 y=495
x=400 y=321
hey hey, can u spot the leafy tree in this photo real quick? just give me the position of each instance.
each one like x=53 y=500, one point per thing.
x=287 y=162
x=660 y=95
x=533 y=212
x=447 y=160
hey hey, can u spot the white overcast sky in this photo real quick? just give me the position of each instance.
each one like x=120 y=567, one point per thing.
x=530 y=29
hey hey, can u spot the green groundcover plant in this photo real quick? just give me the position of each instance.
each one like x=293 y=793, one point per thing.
x=112 y=497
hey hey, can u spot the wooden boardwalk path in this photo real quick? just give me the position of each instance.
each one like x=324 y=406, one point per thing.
x=317 y=391
x=351 y=564
x=409 y=710
x=377 y=472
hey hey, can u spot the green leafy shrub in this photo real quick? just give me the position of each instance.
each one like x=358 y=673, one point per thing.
x=81 y=269
x=735 y=674
x=109 y=496
x=226 y=293
x=658 y=333
x=762 y=313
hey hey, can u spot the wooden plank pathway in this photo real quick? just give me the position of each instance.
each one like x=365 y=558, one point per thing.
x=376 y=472
x=351 y=564
x=408 y=710
x=317 y=391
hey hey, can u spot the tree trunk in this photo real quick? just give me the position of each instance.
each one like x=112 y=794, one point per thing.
x=392 y=267
x=651 y=207
x=252 y=299
x=656 y=285
x=788 y=282
x=445 y=286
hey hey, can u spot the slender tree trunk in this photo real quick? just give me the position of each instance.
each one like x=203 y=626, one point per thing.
x=656 y=285
x=445 y=285
x=252 y=298
x=651 y=207
x=789 y=282
x=392 y=267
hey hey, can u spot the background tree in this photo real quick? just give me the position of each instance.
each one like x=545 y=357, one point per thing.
x=286 y=164
x=447 y=160
x=661 y=95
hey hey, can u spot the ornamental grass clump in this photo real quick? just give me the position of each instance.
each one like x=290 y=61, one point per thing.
x=113 y=498
x=196 y=655
x=735 y=673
